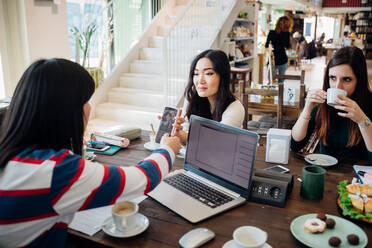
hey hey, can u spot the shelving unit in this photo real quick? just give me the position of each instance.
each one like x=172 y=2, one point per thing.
x=363 y=29
x=242 y=41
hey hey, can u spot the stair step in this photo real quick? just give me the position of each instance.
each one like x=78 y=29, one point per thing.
x=135 y=115
x=142 y=81
x=146 y=66
x=149 y=53
x=156 y=42
x=194 y=10
x=163 y=30
x=138 y=97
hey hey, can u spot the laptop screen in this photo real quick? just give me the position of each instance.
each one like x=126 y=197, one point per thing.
x=221 y=150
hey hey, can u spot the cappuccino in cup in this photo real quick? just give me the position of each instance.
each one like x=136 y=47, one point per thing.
x=124 y=215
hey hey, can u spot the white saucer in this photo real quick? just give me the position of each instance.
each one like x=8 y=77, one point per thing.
x=142 y=225
x=321 y=160
x=153 y=146
x=231 y=244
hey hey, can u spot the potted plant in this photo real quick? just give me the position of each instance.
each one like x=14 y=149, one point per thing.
x=84 y=39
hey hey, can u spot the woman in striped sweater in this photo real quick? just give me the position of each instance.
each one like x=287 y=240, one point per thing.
x=44 y=180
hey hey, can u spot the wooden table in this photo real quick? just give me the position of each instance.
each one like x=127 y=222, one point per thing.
x=166 y=227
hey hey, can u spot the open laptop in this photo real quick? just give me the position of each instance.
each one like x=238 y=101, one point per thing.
x=217 y=171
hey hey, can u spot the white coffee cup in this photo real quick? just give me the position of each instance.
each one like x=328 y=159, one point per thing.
x=124 y=215
x=332 y=95
x=249 y=237
x=152 y=137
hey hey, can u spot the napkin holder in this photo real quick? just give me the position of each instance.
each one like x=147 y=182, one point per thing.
x=277 y=145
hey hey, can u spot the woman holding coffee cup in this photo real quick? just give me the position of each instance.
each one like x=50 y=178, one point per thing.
x=44 y=180
x=340 y=113
x=208 y=93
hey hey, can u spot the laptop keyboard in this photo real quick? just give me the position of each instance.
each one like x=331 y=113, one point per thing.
x=198 y=190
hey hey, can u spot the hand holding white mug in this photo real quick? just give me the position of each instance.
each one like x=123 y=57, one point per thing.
x=352 y=109
x=313 y=98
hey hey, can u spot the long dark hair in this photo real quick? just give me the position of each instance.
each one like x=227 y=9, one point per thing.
x=46 y=110
x=326 y=115
x=200 y=105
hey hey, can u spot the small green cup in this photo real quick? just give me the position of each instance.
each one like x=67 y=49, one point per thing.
x=312 y=186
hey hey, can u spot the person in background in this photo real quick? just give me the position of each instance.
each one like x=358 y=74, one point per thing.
x=343 y=130
x=319 y=44
x=280 y=40
x=208 y=93
x=44 y=180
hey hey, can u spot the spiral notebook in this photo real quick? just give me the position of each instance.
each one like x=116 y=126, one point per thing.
x=365 y=168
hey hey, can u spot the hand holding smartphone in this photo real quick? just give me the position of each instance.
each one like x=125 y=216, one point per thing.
x=166 y=123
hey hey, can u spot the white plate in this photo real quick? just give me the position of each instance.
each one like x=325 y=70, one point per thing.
x=142 y=225
x=342 y=228
x=231 y=244
x=153 y=146
x=321 y=160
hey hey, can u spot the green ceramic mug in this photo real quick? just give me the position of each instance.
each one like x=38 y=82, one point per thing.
x=312 y=186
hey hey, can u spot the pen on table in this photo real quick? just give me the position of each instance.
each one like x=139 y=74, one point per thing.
x=179 y=112
x=365 y=174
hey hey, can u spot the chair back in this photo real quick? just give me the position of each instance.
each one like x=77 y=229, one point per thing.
x=301 y=79
x=258 y=111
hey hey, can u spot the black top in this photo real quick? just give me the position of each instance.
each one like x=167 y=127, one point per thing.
x=280 y=42
x=337 y=139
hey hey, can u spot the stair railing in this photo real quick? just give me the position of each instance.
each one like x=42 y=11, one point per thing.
x=193 y=30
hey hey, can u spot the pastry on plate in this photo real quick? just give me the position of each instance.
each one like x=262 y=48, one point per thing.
x=353 y=188
x=358 y=204
x=366 y=189
x=314 y=225
x=368 y=206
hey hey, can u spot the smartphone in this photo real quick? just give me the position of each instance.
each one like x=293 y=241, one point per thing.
x=97 y=147
x=166 y=122
x=278 y=168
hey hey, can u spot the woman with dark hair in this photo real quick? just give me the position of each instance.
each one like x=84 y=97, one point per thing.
x=43 y=178
x=208 y=92
x=280 y=40
x=343 y=130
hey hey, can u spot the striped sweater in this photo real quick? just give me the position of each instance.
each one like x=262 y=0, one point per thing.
x=40 y=190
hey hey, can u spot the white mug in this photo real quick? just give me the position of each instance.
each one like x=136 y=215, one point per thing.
x=332 y=95
x=249 y=237
x=152 y=137
x=124 y=215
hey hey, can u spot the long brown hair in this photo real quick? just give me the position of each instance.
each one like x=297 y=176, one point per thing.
x=284 y=24
x=200 y=105
x=326 y=115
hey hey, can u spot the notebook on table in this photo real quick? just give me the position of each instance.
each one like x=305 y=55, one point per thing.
x=217 y=171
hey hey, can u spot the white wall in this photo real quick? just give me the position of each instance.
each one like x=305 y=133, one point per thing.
x=29 y=30
x=47 y=31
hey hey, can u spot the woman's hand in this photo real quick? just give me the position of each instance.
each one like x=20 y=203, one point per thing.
x=313 y=98
x=173 y=142
x=179 y=132
x=178 y=123
x=352 y=109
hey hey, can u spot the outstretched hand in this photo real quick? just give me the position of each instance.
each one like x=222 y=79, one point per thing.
x=351 y=108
